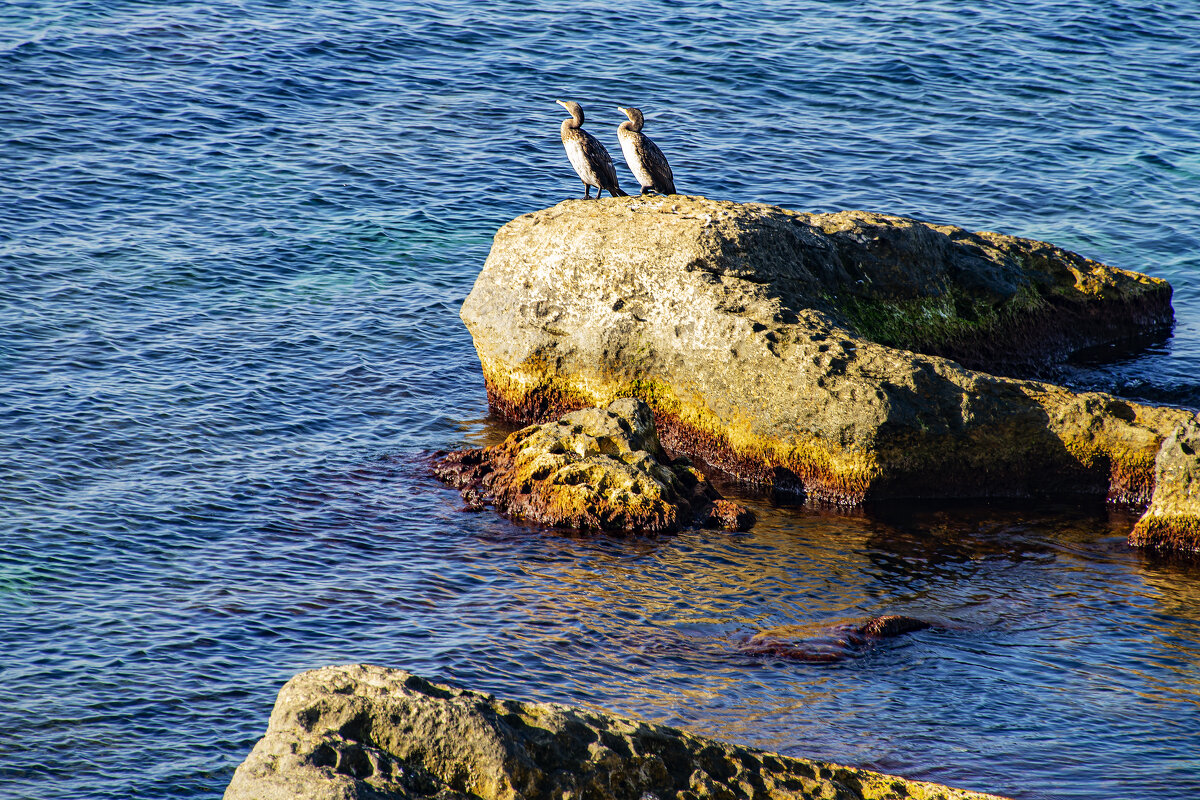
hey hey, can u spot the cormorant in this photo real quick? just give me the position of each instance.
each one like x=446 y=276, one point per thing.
x=588 y=156
x=645 y=160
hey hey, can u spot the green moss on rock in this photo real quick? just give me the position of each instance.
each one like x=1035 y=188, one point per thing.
x=939 y=321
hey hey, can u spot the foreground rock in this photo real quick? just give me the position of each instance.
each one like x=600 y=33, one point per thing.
x=593 y=469
x=779 y=347
x=371 y=732
x=824 y=643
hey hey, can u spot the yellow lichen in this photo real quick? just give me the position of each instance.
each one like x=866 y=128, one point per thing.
x=1167 y=532
x=826 y=474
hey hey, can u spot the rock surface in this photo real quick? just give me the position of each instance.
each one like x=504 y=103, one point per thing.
x=593 y=469
x=824 y=643
x=1172 y=522
x=768 y=343
x=371 y=732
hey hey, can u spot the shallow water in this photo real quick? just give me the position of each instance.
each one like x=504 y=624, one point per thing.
x=233 y=241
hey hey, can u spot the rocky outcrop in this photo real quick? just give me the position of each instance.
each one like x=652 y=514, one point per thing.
x=826 y=643
x=593 y=469
x=812 y=353
x=370 y=732
x=1172 y=522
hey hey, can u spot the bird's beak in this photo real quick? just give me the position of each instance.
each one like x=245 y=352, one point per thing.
x=561 y=103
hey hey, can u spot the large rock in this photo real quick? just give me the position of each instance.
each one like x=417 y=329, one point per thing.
x=593 y=469
x=769 y=344
x=370 y=732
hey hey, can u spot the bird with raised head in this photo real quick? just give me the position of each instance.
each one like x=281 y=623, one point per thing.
x=645 y=160
x=589 y=158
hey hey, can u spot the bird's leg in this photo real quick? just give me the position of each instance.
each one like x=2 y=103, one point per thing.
x=587 y=190
x=599 y=189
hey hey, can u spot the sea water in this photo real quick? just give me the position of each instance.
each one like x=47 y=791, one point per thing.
x=234 y=238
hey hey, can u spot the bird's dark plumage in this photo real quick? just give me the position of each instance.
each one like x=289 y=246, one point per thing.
x=591 y=161
x=645 y=160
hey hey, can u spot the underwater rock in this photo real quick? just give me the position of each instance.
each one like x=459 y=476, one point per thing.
x=812 y=352
x=726 y=514
x=593 y=469
x=824 y=643
x=364 y=731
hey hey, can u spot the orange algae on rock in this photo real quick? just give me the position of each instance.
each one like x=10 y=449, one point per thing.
x=801 y=466
x=592 y=469
x=1172 y=522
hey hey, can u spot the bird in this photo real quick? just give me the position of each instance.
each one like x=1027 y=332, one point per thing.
x=589 y=158
x=645 y=160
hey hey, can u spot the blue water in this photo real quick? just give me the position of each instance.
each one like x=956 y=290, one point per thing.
x=234 y=237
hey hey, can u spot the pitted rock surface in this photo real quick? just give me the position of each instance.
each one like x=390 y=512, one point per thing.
x=370 y=732
x=807 y=352
x=593 y=469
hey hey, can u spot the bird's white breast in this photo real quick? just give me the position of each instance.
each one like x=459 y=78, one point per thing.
x=628 y=141
x=579 y=161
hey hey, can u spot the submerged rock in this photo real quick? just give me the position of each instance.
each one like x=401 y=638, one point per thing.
x=811 y=352
x=370 y=732
x=823 y=643
x=593 y=469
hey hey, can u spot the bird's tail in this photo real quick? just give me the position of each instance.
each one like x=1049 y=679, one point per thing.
x=617 y=191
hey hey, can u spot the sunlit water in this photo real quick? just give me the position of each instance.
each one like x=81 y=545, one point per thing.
x=234 y=238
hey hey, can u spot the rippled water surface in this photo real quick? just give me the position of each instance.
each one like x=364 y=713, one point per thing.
x=234 y=237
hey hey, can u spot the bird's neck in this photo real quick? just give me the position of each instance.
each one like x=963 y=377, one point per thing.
x=629 y=125
x=569 y=125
